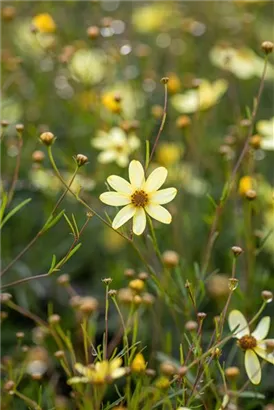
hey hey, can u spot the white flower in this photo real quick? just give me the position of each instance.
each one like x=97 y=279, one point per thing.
x=140 y=196
x=266 y=129
x=115 y=146
x=202 y=98
x=252 y=343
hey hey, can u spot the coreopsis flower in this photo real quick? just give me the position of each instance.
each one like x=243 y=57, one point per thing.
x=138 y=364
x=266 y=129
x=44 y=23
x=199 y=99
x=140 y=197
x=115 y=146
x=242 y=62
x=151 y=17
x=88 y=66
x=246 y=183
x=101 y=373
x=253 y=344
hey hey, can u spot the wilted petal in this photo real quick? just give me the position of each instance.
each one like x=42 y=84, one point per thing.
x=114 y=198
x=252 y=367
x=139 y=221
x=163 y=196
x=236 y=320
x=136 y=174
x=159 y=213
x=155 y=179
x=120 y=184
x=123 y=216
x=262 y=328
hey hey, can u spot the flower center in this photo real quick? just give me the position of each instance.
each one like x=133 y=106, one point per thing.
x=247 y=342
x=139 y=198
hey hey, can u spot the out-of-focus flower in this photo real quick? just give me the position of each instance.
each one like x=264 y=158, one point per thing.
x=115 y=146
x=242 y=62
x=168 y=153
x=44 y=23
x=101 y=373
x=218 y=286
x=88 y=66
x=138 y=364
x=112 y=102
x=150 y=18
x=11 y=110
x=203 y=97
x=140 y=196
x=246 y=184
x=112 y=241
x=266 y=129
x=37 y=362
x=253 y=343
x=174 y=83
x=30 y=44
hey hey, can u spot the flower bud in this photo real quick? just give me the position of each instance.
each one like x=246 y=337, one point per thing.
x=157 y=111
x=137 y=300
x=251 y=194
x=129 y=273
x=81 y=160
x=138 y=364
x=232 y=372
x=191 y=325
x=137 y=285
x=88 y=304
x=38 y=156
x=93 y=32
x=143 y=276
x=112 y=293
x=269 y=345
x=167 y=368
x=170 y=259
x=183 y=121
x=201 y=316
x=237 y=250
x=164 y=80
x=182 y=371
x=5 y=297
x=8 y=13
x=47 y=138
x=59 y=354
x=125 y=295
x=63 y=280
x=9 y=386
x=5 y=123
x=20 y=335
x=19 y=128
x=162 y=383
x=267 y=295
x=150 y=372
x=54 y=319
x=107 y=281
x=148 y=299
x=267 y=47
x=255 y=141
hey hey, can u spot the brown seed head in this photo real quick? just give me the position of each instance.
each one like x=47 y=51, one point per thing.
x=47 y=138
x=247 y=342
x=201 y=316
x=267 y=47
x=148 y=299
x=150 y=372
x=81 y=160
x=8 y=13
x=129 y=273
x=4 y=123
x=19 y=127
x=9 y=386
x=93 y=32
x=267 y=295
x=59 y=354
x=170 y=258
x=237 y=250
x=107 y=281
x=255 y=141
x=112 y=293
x=232 y=372
x=164 y=80
x=143 y=276
x=20 y=335
x=125 y=295
x=38 y=156
x=269 y=345
x=182 y=371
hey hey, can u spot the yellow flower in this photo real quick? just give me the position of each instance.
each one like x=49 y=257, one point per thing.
x=168 y=153
x=88 y=66
x=266 y=129
x=150 y=18
x=174 y=83
x=202 y=98
x=111 y=102
x=44 y=23
x=115 y=146
x=101 y=373
x=140 y=196
x=138 y=364
x=253 y=343
x=245 y=184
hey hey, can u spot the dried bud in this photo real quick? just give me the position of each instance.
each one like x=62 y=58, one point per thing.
x=75 y=301
x=232 y=283
x=170 y=259
x=232 y=372
x=164 y=80
x=9 y=386
x=183 y=121
x=201 y=316
x=81 y=160
x=237 y=250
x=20 y=335
x=5 y=123
x=59 y=354
x=191 y=325
x=63 y=280
x=47 y=138
x=8 y=13
x=167 y=368
x=38 y=156
x=255 y=141
x=137 y=285
x=182 y=371
x=129 y=273
x=107 y=281
x=54 y=319
x=19 y=127
x=267 y=47
x=93 y=32
x=267 y=295
x=88 y=304
x=251 y=194
x=150 y=372
x=5 y=297
x=143 y=276
x=148 y=299
x=112 y=293
x=125 y=295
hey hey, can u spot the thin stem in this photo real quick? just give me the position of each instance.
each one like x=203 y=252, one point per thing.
x=106 y=323
x=16 y=170
x=258 y=313
x=28 y=401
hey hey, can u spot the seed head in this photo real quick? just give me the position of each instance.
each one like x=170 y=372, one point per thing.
x=112 y=293
x=237 y=250
x=5 y=123
x=5 y=297
x=38 y=156
x=255 y=141
x=54 y=319
x=269 y=345
x=137 y=285
x=63 y=280
x=143 y=276
x=167 y=368
x=75 y=301
x=81 y=160
x=150 y=372
x=267 y=295
x=129 y=273
x=19 y=127
x=170 y=258
x=88 y=304
x=148 y=298
x=201 y=316
x=9 y=386
x=125 y=295
x=164 y=80
x=182 y=371
x=267 y=47
x=191 y=325
x=47 y=138
x=251 y=194
x=8 y=13
x=232 y=372
x=20 y=335
x=93 y=32
x=59 y=354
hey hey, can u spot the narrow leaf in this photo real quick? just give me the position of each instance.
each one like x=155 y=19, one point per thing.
x=14 y=211
x=70 y=225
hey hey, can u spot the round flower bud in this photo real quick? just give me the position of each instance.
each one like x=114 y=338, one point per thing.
x=59 y=354
x=54 y=319
x=137 y=285
x=157 y=111
x=81 y=160
x=4 y=123
x=255 y=141
x=269 y=345
x=237 y=250
x=167 y=368
x=148 y=298
x=125 y=295
x=75 y=301
x=5 y=297
x=25 y=349
x=182 y=371
x=112 y=293
x=38 y=156
x=143 y=276
x=232 y=372
x=47 y=138
x=201 y=316
x=9 y=386
x=150 y=372
x=19 y=127
x=162 y=383
x=218 y=286
x=137 y=300
x=63 y=280
x=164 y=80
x=191 y=325
x=88 y=304
x=267 y=47
x=129 y=273
x=20 y=335
x=8 y=13
x=183 y=121
x=107 y=281
x=245 y=123
x=170 y=259
x=251 y=194
x=138 y=364
x=93 y=32
x=267 y=295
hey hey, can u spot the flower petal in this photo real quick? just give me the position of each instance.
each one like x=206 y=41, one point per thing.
x=120 y=184
x=163 y=196
x=107 y=156
x=114 y=198
x=122 y=160
x=262 y=351
x=155 y=179
x=81 y=369
x=136 y=174
x=123 y=216
x=262 y=328
x=121 y=371
x=76 y=379
x=115 y=363
x=252 y=367
x=159 y=213
x=139 y=221
x=238 y=324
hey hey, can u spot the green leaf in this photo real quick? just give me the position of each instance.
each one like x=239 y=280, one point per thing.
x=147 y=153
x=75 y=225
x=53 y=262
x=3 y=204
x=52 y=221
x=211 y=199
x=70 y=225
x=14 y=211
x=251 y=395
x=67 y=257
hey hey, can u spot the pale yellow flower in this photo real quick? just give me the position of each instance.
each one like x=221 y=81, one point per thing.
x=253 y=343
x=101 y=373
x=115 y=146
x=204 y=97
x=44 y=23
x=88 y=66
x=151 y=17
x=266 y=129
x=140 y=196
